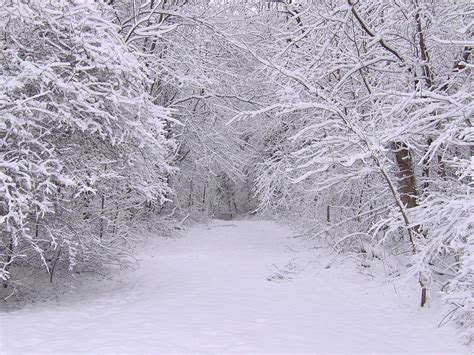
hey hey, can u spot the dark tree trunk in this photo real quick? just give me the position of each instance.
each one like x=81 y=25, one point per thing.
x=406 y=175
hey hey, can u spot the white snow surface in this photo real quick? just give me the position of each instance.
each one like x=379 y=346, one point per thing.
x=208 y=292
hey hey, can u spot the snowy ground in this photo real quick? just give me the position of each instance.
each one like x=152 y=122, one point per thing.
x=208 y=292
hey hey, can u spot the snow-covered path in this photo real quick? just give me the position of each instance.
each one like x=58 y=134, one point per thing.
x=208 y=292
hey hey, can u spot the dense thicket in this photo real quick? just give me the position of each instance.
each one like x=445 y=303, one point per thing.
x=374 y=135
x=83 y=146
x=351 y=118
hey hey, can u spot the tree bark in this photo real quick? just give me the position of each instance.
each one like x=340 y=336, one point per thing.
x=406 y=175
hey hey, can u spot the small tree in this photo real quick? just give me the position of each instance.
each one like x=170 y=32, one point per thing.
x=83 y=146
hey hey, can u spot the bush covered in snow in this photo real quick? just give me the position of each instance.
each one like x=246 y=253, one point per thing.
x=83 y=146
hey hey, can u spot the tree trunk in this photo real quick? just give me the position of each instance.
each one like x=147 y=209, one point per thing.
x=9 y=260
x=101 y=220
x=406 y=175
x=426 y=166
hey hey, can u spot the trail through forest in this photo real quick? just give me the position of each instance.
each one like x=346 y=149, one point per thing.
x=222 y=288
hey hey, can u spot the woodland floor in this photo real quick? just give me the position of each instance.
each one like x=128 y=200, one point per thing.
x=209 y=291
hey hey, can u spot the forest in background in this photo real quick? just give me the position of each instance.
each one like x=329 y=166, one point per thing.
x=350 y=119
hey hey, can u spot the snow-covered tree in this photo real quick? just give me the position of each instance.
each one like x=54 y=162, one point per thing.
x=83 y=146
x=374 y=107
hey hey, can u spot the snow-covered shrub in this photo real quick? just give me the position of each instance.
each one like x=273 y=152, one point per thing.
x=83 y=148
